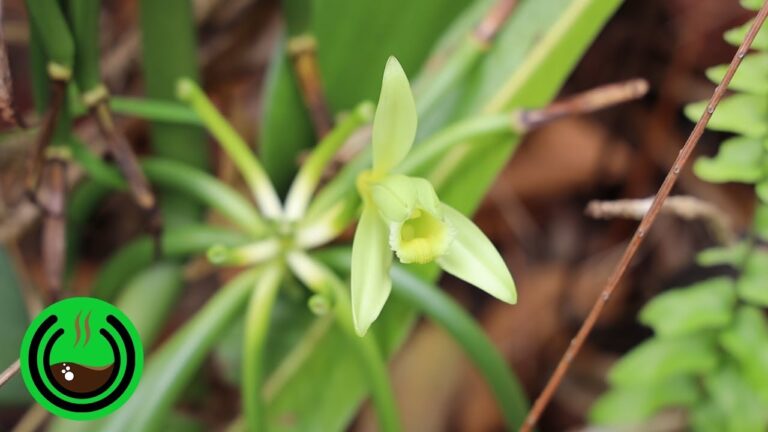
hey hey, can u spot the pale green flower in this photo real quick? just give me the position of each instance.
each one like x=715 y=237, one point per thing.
x=404 y=214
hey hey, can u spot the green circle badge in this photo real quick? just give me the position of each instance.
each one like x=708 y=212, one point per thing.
x=81 y=358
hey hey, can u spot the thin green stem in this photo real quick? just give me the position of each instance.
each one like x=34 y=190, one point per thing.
x=249 y=254
x=233 y=144
x=257 y=319
x=321 y=279
x=155 y=110
x=309 y=175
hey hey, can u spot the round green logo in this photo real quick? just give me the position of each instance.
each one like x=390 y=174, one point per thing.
x=81 y=358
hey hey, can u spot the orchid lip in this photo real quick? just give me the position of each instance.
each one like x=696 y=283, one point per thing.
x=421 y=238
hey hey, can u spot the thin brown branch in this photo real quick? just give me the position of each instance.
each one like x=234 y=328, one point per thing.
x=684 y=207
x=302 y=50
x=54 y=242
x=44 y=138
x=9 y=372
x=489 y=27
x=589 y=101
x=645 y=224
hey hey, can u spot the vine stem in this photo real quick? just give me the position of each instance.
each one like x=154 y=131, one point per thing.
x=9 y=372
x=645 y=224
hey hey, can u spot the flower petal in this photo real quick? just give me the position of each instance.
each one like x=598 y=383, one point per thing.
x=371 y=260
x=394 y=125
x=473 y=258
x=396 y=196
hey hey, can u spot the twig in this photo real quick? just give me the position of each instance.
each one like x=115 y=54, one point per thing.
x=302 y=50
x=684 y=207
x=9 y=372
x=492 y=22
x=589 y=101
x=578 y=341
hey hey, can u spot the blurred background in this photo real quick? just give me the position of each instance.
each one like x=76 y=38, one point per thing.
x=535 y=213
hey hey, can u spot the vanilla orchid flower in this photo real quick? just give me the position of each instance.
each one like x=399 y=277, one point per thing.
x=404 y=214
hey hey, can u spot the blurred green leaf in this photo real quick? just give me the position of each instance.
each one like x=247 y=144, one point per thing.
x=743 y=114
x=762 y=191
x=657 y=360
x=732 y=255
x=751 y=77
x=745 y=411
x=354 y=40
x=739 y=159
x=708 y=417
x=752 y=283
x=760 y=222
x=736 y=36
x=148 y=298
x=680 y=311
x=172 y=366
x=13 y=321
x=747 y=341
x=633 y=406
x=752 y=4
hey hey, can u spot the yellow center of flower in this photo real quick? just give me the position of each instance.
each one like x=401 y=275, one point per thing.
x=421 y=238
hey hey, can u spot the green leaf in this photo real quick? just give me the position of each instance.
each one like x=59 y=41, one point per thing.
x=738 y=160
x=394 y=124
x=760 y=222
x=473 y=258
x=762 y=191
x=747 y=341
x=733 y=255
x=736 y=36
x=657 y=360
x=14 y=321
x=746 y=412
x=752 y=4
x=743 y=114
x=751 y=285
x=702 y=306
x=172 y=367
x=619 y=407
x=148 y=298
x=257 y=321
x=708 y=417
x=750 y=77
x=371 y=260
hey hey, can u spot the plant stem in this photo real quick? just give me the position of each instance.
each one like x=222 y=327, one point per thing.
x=155 y=110
x=645 y=224
x=312 y=170
x=9 y=372
x=170 y=52
x=233 y=144
x=321 y=279
x=257 y=319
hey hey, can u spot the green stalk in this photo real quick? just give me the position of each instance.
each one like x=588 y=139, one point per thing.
x=257 y=319
x=233 y=144
x=322 y=280
x=169 y=371
x=170 y=52
x=177 y=242
x=310 y=173
x=159 y=111
x=83 y=18
x=51 y=27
